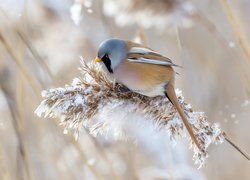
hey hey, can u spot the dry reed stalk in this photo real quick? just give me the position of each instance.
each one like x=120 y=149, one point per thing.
x=178 y=39
x=33 y=83
x=237 y=28
x=241 y=37
x=79 y=105
x=20 y=93
x=4 y=173
x=34 y=52
x=14 y=98
x=241 y=68
x=15 y=115
x=141 y=36
x=21 y=31
x=19 y=107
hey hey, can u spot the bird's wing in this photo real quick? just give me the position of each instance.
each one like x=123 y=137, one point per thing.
x=139 y=54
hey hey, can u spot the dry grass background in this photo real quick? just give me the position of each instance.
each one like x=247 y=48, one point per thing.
x=40 y=48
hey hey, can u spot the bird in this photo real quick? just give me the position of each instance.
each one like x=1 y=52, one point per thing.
x=144 y=71
x=147 y=72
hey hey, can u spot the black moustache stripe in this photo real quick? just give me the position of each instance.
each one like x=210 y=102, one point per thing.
x=107 y=63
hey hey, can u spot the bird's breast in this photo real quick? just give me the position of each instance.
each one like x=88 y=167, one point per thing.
x=149 y=80
x=157 y=90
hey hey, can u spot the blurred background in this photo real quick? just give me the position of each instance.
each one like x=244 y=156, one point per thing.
x=40 y=45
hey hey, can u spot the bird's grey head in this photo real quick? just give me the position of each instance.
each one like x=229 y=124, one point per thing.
x=112 y=52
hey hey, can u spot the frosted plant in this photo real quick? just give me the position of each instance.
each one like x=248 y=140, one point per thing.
x=91 y=101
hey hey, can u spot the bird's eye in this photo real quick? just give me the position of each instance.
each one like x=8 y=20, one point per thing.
x=106 y=56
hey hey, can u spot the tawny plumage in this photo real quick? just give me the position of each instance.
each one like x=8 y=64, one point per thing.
x=143 y=77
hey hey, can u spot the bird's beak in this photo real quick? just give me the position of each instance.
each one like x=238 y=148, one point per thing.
x=97 y=59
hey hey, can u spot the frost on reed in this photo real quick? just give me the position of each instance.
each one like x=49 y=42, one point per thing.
x=90 y=101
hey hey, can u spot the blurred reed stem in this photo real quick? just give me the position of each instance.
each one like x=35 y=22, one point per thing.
x=211 y=27
x=237 y=28
x=4 y=173
x=101 y=152
x=178 y=39
x=22 y=150
x=21 y=32
x=142 y=35
x=20 y=51
x=34 y=84
x=36 y=55
x=15 y=99
x=83 y=157
x=104 y=19
x=243 y=72
x=240 y=36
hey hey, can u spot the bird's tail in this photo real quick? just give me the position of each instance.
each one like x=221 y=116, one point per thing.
x=170 y=93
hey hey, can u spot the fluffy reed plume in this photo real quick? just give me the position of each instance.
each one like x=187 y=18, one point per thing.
x=147 y=13
x=83 y=103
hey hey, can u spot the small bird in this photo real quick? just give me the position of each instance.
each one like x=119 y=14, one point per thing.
x=146 y=72
x=142 y=70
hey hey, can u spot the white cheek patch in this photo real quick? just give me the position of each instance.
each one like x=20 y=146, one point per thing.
x=109 y=75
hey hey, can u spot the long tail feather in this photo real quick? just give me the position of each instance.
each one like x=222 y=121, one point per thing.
x=170 y=93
